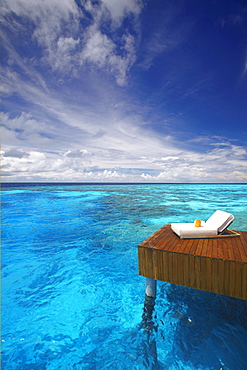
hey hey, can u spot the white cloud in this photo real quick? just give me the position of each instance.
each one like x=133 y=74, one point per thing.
x=16 y=153
x=66 y=44
x=77 y=153
x=118 y=8
x=98 y=47
x=168 y=158
x=65 y=53
x=239 y=175
x=50 y=18
x=104 y=52
x=217 y=165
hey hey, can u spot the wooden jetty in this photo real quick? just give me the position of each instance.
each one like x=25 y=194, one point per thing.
x=217 y=264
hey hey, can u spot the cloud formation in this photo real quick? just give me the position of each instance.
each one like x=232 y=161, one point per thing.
x=86 y=99
x=126 y=155
x=68 y=43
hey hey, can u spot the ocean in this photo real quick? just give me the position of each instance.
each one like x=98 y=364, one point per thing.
x=71 y=294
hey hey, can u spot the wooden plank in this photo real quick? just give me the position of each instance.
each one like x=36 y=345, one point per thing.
x=197 y=272
x=220 y=246
x=208 y=273
x=232 y=283
x=214 y=275
x=210 y=247
x=225 y=252
x=193 y=247
x=146 y=262
x=165 y=240
x=192 y=271
x=167 y=244
x=244 y=281
x=181 y=268
x=155 y=261
x=173 y=244
x=187 y=245
x=157 y=240
x=160 y=239
x=199 y=247
x=214 y=251
x=165 y=268
x=238 y=280
x=160 y=260
x=243 y=255
x=141 y=261
x=230 y=251
x=234 y=246
x=221 y=271
x=204 y=247
x=184 y=247
x=174 y=270
x=227 y=278
x=203 y=273
x=244 y=242
x=170 y=267
x=185 y=269
x=149 y=242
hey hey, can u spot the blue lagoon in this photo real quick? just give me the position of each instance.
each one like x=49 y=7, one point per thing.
x=71 y=294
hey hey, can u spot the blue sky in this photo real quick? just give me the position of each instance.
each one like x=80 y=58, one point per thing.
x=124 y=90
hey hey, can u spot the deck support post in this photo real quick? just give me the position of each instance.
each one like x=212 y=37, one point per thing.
x=150 y=294
x=151 y=285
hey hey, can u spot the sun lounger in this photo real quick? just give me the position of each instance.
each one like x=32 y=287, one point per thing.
x=214 y=226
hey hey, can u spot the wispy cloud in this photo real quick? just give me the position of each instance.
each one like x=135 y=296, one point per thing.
x=119 y=8
x=67 y=43
x=46 y=19
x=127 y=153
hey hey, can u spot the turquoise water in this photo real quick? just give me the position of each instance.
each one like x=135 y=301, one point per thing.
x=72 y=296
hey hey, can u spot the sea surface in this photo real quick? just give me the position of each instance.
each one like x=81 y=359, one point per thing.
x=72 y=296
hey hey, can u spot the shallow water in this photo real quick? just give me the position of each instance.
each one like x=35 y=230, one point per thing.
x=72 y=296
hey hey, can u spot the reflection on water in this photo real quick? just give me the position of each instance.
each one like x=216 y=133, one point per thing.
x=149 y=325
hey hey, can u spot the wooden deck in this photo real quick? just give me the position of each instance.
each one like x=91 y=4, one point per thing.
x=216 y=265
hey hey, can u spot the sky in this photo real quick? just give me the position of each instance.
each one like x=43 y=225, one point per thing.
x=148 y=91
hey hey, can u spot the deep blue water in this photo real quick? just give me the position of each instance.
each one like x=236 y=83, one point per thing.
x=72 y=296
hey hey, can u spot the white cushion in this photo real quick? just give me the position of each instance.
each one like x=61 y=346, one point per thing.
x=212 y=227
x=220 y=220
x=186 y=230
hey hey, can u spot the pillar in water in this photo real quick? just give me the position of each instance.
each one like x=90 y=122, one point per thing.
x=151 y=287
